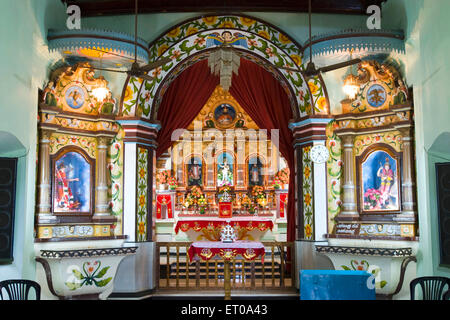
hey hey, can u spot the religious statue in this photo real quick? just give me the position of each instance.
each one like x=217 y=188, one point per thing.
x=240 y=123
x=49 y=95
x=225 y=176
x=254 y=174
x=209 y=123
x=386 y=174
x=108 y=104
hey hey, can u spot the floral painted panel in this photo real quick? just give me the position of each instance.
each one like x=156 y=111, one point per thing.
x=392 y=138
x=115 y=166
x=334 y=174
x=142 y=189
x=364 y=265
x=58 y=141
x=308 y=206
x=89 y=274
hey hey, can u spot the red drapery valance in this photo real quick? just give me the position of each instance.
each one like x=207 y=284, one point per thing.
x=255 y=89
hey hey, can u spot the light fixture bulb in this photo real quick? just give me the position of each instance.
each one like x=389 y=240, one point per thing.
x=100 y=93
x=351 y=86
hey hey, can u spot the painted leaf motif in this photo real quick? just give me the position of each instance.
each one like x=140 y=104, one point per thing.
x=102 y=272
x=383 y=284
x=345 y=268
x=73 y=285
x=78 y=274
x=103 y=282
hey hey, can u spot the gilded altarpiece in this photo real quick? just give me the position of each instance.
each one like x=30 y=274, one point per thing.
x=370 y=174
x=80 y=160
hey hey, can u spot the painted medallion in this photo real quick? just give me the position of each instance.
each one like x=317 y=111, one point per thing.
x=224 y=115
x=75 y=97
x=376 y=96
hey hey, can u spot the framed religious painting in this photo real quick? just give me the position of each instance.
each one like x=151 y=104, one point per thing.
x=379 y=180
x=255 y=171
x=72 y=182
x=194 y=172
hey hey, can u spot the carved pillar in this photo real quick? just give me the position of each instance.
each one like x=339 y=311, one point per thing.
x=139 y=178
x=408 y=204
x=44 y=209
x=101 y=190
x=312 y=220
x=349 y=211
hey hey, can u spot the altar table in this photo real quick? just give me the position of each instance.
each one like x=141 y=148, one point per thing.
x=207 y=250
x=250 y=228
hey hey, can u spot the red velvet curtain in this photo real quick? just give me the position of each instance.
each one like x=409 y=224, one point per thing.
x=183 y=101
x=266 y=102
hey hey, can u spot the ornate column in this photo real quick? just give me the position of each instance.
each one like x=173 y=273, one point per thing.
x=408 y=204
x=101 y=190
x=44 y=209
x=311 y=178
x=349 y=211
x=139 y=178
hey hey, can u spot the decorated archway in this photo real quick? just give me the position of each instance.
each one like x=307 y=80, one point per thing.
x=190 y=41
x=254 y=40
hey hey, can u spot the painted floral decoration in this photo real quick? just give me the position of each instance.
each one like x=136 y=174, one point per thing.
x=90 y=275
x=372 y=198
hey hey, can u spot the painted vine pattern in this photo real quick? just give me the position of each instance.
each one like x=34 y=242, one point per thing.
x=142 y=177
x=58 y=141
x=115 y=166
x=189 y=38
x=334 y=174
x=308 y=206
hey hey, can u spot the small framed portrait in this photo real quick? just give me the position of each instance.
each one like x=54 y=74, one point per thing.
x=72 y=182
x=378 y=171
x=194 y=172
x=255 y=171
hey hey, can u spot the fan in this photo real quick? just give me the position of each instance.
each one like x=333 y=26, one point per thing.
x=136 y=70
x=311 y=70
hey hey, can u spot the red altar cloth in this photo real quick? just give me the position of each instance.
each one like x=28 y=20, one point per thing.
x=197 y=224
x=225 y=210
x=206 y=250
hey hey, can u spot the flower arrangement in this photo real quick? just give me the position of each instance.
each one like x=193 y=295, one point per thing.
x=246 y=202
x=224 y=189
x=258 y=192
x=283 y=176
x=277 y=183
x=196 y=192
x=162 y=176
x=202 y=203
x=372 y=199
x=172 y=182
x=193 y=197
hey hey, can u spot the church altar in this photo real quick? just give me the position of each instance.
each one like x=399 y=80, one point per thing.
x=197 y=228
x=207 y=250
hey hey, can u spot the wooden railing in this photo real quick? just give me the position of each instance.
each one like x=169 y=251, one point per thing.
x=275 y=271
